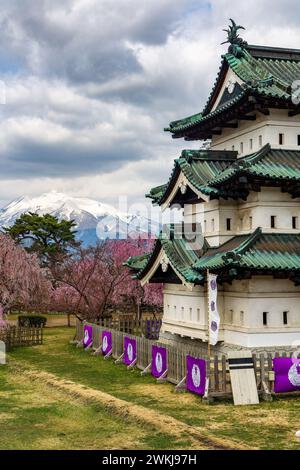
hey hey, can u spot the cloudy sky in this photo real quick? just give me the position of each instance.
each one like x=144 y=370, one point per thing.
x=90 y=85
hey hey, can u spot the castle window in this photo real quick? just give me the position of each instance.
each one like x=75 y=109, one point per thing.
x=228 y=224
x=205 y=226
x=241 y=317
x=191 y=313
x=285 y=318
x=182 y=312
x=295 y=222
x=273 y=221
x=198 y=314
x=251 y=144
x=212 y=225
x=298 y=139
x=281 y=139
x=250 y=222
x=241 y=147
x=260 y=140
x=241 y=223
x=175 y=314
x=265 y=318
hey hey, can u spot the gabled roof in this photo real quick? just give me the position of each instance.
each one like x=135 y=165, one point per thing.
x=136 y=263
x=242 y=256
x=218 y=174
x=181 y=257
x=265 y=72
x=199 y=167
x=157 y=193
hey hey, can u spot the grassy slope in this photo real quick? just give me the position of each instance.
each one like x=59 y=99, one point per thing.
x=267 y=426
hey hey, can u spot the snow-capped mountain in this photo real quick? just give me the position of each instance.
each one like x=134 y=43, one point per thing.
x=94 y=219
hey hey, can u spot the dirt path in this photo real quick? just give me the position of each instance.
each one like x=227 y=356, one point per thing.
x=130 y=411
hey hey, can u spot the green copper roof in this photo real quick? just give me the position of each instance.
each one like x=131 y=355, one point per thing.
x=214 y=172
x=156 y=193
x=264 y=72
x=267 y=163
x=199 y=167
x=255 y=253
x=136 y=263
x=258 y=251
x=189 y=122
x=181 y=255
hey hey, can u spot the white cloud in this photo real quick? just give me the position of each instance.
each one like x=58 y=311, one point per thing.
x=91 y=84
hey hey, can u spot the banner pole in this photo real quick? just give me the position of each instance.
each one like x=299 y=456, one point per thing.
x=208 y=315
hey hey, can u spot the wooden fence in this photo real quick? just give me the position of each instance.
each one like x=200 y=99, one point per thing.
x=149 y=328
x=217 y=365
x=14 y=336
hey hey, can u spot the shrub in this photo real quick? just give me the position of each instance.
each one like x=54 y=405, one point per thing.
x=32 y=321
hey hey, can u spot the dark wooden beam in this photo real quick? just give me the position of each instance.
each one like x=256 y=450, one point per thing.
x=196 y=137
x=216 y=132
x=247 y=118
x=294 y=112
x=231 y=125
x=264 y=111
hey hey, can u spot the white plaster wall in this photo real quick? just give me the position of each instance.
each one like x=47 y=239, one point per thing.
x=241 y=306
x=268 y=127
x=260 y=206
x=185 y=311
x=264 y=204
x=212 y=216
x=244 y=304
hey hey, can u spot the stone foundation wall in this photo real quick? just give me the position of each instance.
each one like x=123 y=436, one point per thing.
x=220 y=348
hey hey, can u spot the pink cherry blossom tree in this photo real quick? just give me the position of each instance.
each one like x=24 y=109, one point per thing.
x=23 y=284
x=3 y=323
x=97 y=279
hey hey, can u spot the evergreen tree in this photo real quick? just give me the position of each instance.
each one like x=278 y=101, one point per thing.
x=51 y=239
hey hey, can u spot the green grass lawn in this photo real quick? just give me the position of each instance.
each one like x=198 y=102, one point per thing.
x=53 y=319
x=34 y=416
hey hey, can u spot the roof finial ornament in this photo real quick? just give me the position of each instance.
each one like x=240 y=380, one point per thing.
x=233 y=38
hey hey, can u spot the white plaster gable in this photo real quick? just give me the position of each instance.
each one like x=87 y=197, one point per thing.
x=163 y=261
x=229 y=81
x=181 y=184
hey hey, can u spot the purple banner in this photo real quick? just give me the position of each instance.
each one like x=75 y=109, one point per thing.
x=87 y=336
x=287 y=374
x=159 y=363
x=106 y=342
x=195 y=375
x=129 y=350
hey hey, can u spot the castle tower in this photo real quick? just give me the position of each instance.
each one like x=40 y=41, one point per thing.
x=242 y=191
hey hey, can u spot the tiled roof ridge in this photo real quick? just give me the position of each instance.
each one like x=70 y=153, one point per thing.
x=209 y=154
x=273 y=52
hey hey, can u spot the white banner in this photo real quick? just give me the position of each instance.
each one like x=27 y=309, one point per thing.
x=2 y=353
x=213 y=314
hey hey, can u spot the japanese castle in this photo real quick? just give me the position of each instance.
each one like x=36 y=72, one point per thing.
x=240 y=195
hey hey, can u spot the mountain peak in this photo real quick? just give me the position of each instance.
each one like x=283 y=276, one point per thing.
x=93 y=219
